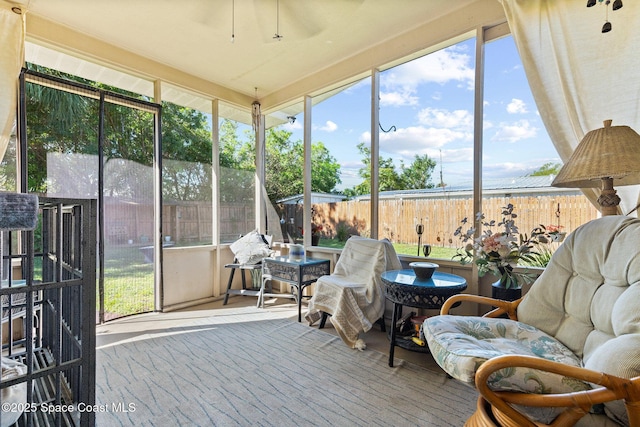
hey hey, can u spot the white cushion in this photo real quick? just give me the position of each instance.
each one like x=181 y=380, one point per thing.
x=251 y=248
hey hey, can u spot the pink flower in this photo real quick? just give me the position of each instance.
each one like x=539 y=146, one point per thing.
x=492 y=243
x=498 y=252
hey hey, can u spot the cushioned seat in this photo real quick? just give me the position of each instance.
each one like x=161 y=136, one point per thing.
x=579 y=321
x=465 y=342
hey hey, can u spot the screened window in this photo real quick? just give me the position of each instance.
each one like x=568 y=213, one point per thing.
x=426 y=150
x=237 y=180
x=186 y=176
x=519 y=159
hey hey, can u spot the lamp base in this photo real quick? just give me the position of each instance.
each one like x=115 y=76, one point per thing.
x=608 y=199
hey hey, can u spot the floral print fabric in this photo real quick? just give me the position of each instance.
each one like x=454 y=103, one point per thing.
x=460 y=344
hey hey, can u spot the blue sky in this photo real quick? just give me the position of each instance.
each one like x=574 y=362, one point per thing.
x=430 y=103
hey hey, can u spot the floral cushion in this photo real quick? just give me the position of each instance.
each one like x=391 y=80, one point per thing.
x=460 y=344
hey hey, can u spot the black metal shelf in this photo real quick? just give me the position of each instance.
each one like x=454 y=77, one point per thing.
x=48 y=298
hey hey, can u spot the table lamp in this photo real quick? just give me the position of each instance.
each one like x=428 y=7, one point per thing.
x=604 y=155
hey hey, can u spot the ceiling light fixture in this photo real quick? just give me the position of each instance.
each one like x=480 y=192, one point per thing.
x=617 y=4
x=277 y=35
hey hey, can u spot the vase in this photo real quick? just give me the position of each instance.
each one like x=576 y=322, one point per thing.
x=315 y=239
x=500 y=291
x=296 y=252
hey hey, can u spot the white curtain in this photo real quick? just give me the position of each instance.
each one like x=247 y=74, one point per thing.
x=11 y=60
x=578 y=75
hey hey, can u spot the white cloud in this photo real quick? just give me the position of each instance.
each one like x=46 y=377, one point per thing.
x=398 y=99
x=443 y=66
x=292 y=126
x=457 y=119
x=400 y=84
x=349 y=174
x=517 y=106
x=352 y=164
x=405 y=143
x=329 y=127
x=514 y=132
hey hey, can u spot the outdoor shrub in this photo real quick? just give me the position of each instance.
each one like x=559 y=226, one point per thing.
x=342 y=231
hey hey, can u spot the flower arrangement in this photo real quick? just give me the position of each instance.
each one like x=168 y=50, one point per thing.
x=500 y=247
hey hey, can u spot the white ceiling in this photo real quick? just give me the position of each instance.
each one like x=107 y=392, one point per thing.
x=187 y=43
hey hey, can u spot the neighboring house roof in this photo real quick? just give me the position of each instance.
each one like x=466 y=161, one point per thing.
x=315 y=198
x=525 y=184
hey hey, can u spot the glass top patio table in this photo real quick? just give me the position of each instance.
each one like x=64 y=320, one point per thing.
x=402 y=287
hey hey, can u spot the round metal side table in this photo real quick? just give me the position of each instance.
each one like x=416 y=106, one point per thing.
x=402 y=287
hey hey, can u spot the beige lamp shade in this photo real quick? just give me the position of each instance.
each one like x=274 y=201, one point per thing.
x=604 y=156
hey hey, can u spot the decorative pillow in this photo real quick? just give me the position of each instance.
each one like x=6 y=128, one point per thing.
x=251 y=248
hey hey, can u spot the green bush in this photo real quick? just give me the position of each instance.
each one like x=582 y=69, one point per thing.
x=342 y=231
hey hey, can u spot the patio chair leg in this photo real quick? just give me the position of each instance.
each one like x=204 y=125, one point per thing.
x=323 y=320
x=380 y=322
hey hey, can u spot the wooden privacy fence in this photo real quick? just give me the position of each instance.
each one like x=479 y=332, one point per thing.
x=441 y=216
x=184 y=222
x=191 y=222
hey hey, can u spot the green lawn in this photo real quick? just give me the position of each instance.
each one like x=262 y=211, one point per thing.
x=128 y=283
x=401 y=249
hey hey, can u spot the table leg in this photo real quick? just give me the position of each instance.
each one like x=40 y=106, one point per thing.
x=229 y=283
x=261 y=293
x=299 y=302
x=397 y=313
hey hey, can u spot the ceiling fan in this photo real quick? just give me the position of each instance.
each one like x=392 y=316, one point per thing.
x=272 y=20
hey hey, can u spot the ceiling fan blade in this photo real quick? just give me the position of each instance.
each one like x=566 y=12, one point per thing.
x=212 y=14
x=298 y=20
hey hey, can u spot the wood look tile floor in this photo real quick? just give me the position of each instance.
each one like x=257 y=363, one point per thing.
x=129 y=327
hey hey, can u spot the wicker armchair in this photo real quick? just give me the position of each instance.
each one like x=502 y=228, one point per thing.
x=569 y=352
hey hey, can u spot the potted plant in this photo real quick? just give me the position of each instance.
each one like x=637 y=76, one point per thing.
x=499 y=249
x=316 y=232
